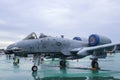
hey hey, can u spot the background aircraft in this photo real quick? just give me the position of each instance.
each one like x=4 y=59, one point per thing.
x=54 y=47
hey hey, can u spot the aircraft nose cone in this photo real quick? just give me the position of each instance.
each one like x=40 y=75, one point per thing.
x=9 y=49
x=10 y=46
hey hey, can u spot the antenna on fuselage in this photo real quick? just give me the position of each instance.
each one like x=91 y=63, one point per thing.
x=62 y=36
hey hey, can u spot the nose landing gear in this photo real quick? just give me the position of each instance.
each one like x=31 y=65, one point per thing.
x=34 y=68
x=37 y=59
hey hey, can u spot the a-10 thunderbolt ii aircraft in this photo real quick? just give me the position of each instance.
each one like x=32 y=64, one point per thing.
x=54 y=47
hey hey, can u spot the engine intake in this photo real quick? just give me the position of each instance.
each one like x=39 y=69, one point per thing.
x=77 y=38
x=95 y=40
x=80 y=39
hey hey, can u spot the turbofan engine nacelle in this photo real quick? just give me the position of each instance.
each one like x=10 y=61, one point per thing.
x=95 y=40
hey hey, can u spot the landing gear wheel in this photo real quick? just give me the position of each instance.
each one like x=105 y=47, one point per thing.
x=34 y=68
x=62 y=64
x=95 y=65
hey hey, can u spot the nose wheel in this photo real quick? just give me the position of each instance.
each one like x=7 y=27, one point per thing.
x=34 y=68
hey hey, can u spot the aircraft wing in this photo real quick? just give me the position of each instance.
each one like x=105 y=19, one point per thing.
x=97 y=51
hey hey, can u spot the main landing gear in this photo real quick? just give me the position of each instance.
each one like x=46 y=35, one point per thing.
x=94 y=64
x=62 y=63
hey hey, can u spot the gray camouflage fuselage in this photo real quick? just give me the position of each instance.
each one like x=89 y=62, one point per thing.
x=48 y=46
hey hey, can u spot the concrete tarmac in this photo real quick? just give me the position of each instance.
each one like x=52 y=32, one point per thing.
x=50 y=70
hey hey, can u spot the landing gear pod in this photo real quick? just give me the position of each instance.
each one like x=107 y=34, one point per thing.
x=95 y=40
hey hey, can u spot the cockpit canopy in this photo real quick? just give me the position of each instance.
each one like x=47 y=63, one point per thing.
x=34 y=36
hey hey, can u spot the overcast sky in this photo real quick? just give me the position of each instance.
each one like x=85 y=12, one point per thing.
x=18 y=18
